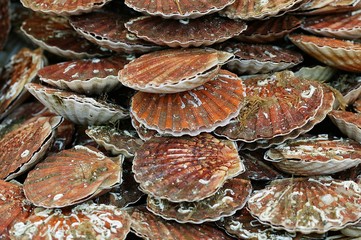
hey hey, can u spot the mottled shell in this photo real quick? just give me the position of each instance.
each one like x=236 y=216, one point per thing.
x=330 y=51
x=202 y=31
x=87 y=76
x=307 y=205
x=178 y=9
x=91 y=220
x=71 y=176
x=77 y=108
x=4 y=21
x=199 y=110
x=172 y=71
x=186 y=168
x=349 y=123
x=349 y=85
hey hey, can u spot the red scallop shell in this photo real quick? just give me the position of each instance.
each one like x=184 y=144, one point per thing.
x=349 y=123
x=4 y=21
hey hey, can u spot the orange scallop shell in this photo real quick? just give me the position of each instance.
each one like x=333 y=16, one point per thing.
x=349 y=123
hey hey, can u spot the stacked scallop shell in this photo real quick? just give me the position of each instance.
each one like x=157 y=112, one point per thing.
x=158 y=119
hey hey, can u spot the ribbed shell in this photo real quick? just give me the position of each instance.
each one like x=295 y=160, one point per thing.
x=54 y=33
x=148 y=226
x=107 y=29
x=318 y=7
x=143 y=132
x=63 y=7
x=316 y=73
x=341 y=54
x=275 y=106
x=178 y=9
x=85 y=221
x=232 y=196
x=199 y=110
x=71 y=176
x=307 y=205
x=187 y=168
x=202 y=31
x=349 y=123
x=77 y=108
x=88 y=76
x=172 y=71
x=4 y=21
x=349 y=85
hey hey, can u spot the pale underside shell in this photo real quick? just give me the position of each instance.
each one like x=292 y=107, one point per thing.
x=316 y=73
x=349 y=123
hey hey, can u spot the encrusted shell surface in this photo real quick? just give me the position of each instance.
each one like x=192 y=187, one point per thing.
x=349 y=85
x=88 y=76
x=85 y=221
x=178 y=9
x=232 y=196
x=171 y=71
x=202 y=31
x=71 y=176
x=4 y=21
x=77 y=108
x=307 y=205
x=186 y=168
x=199 y=110
x=349 y=123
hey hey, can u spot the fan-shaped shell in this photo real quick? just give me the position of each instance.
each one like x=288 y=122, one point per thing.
x=330 y=51
x=4 y=22
x=71 y=176
x=317 y=7
x=203 y=31
x=178 y=9
x=143 y=132
x=88 y=219
x=172 y=71
x=199 y=110
x=187 y=168
x=316 y=73
x=88 y=76
x=349 y=123
x=77 y=108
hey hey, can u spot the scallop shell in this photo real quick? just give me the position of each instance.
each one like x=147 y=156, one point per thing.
x=23 y=147
x=63 y=7
x=88 y=219
x=77 y=108
x=176 y=9
x=148 y=226
x=143 y=132
x=318 y=7
x=4 y=22
x=349 y=123
x=316 y=73
x=54 y=34
x=183 y=169
x=87 y=76
x=330 y=51
x=232 y=196
x=107 y=29
x=71 y=176
x=357 y=105
x=199 y=110
x=307 y=205
x=257 y=58
x=172 y=71
x=275 y=106
x=202 y=31
x=349 y=85
x=316 y=155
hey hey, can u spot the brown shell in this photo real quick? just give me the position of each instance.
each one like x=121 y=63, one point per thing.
x=349 y=123
x=63 y=7
x=85 y=221
x=349 y=85
x=71 y=176
x=307 y=205
x=21 y=69
x=4 y=21
x=143 y=132
x=178 y=9
x=232 y=196
x=275 y=106
x=183 y=169
x=23 y=147
x=55 y=34
x=202 y=31
x=330 y=51
x=148 y=226
x=317 y=7
x=172 y=71
x=199 y=110
x=107 y=29
x=88 y=76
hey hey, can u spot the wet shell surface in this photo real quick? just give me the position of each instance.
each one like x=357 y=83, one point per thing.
x=349 y=85
x=231 y=197
x=75 y=107
x=186 y=168
x=172 y=71
x=316 y=73
x=178 y=9
x=307 y=205
x=143 y=132
x=71 y=176
x=85 y=221
x=199 y=110
x=330 y=51
x=349 y=123
x=202 y=31
x=316 y=155
x=4 y=21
